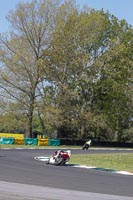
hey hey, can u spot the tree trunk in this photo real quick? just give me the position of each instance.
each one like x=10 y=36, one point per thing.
x=30 y=117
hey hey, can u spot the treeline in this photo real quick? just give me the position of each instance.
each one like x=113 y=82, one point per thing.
x=66 y=72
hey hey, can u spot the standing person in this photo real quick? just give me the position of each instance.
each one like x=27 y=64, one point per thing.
x=87 y=144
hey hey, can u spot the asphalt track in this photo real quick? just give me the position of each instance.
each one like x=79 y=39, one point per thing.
x=23 y=178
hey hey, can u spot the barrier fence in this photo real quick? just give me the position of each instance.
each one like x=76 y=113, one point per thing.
x=18 y=139
x=13 y=139
x=6 y=140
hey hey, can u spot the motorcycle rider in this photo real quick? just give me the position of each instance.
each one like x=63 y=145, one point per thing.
x=57 y=153
x=87 y=144
x=55 y=156
x=59 y=157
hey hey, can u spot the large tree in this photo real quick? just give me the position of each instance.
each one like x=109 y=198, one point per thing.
x=90 y=62
x=21 y=52
x=113 y=93
x=68 y=62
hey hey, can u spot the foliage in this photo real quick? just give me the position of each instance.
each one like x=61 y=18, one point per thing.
x=68 y=70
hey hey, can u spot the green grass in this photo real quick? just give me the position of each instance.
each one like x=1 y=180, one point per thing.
x=116 y=161
x=37 y=147
x=13 y=146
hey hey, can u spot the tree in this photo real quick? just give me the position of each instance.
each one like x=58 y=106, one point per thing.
x=85 y=64
x=21 y=52
x=13 y=120
x=113 y=88
x=68 y=62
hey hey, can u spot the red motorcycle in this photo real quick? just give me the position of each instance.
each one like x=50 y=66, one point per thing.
x=59 y=157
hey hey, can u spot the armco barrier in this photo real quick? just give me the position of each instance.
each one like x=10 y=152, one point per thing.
x=6 y=140
x=42 y=142
x=54 y=142
x=30 y=141
x=19 y=141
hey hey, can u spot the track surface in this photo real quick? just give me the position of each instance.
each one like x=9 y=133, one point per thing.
x=19 y=166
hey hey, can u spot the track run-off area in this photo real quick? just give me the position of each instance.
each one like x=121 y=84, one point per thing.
x=23 y=177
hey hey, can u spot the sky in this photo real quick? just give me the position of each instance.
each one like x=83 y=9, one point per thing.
x=122 y=9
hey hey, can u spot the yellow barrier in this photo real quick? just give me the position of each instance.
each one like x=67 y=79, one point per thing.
x=19 y=141
x=11 y=135
x=42 y=142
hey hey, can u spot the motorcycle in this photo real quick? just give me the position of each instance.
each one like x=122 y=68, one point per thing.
x=59 y=157
x=87 y=145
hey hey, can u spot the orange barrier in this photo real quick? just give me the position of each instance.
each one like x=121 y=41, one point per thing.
x=19 y=141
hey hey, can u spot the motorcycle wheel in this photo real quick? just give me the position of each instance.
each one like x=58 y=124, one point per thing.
x=47 y=162
x=59 y=161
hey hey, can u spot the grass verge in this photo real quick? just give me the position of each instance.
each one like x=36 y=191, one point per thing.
x=115 y=161
x=14 y=146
